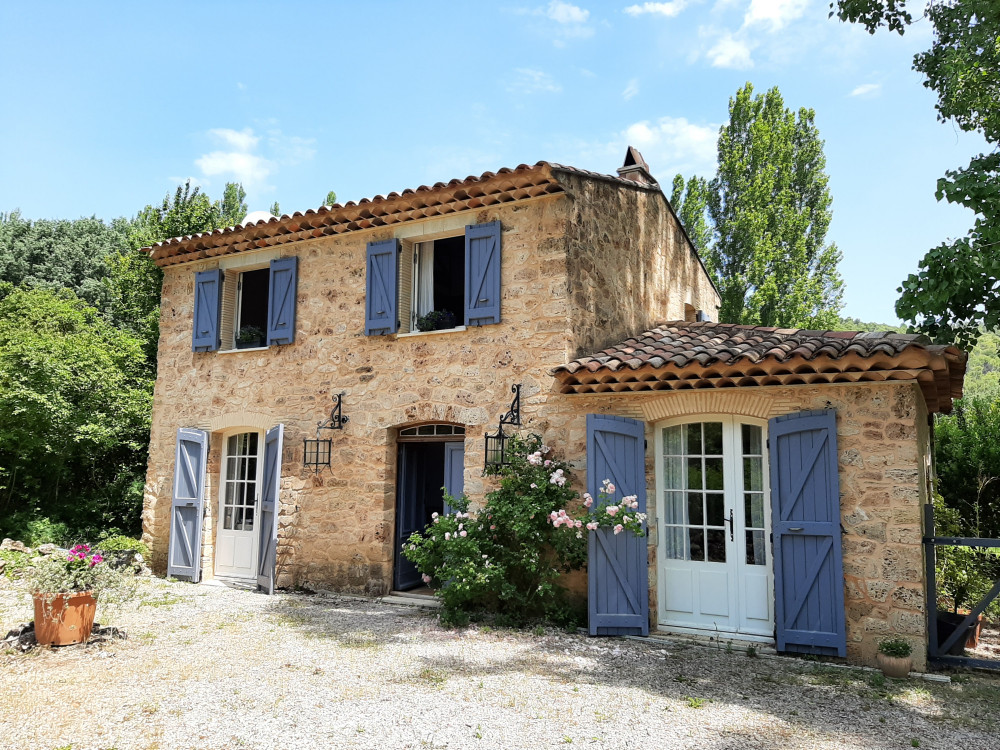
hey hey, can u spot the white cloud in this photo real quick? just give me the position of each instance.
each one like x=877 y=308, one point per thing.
x=730 y=52
x=672 y=144
x=668 y=10
x=251 y=159
x=567 y=13
x=631 y=90
x=241 y=140
x=867 y=89
x=775 y=13
x=530 y=81
x=249 y=169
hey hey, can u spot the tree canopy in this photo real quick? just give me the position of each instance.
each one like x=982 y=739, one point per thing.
x=953 y=296
x=761 y=222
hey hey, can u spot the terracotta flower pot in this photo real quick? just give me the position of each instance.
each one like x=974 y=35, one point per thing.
x=64 y=619
x=895 y=666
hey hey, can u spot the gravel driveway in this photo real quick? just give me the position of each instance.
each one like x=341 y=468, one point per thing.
x=212 y=667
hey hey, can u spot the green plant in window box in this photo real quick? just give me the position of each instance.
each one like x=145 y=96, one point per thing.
x=249 y=337
x=436 y=320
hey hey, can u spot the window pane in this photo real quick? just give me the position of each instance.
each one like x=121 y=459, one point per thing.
x=231 y=464
x=716 y=515
x=756 y=552
x=673 y=508
x=696 y=513
x=753 y=474
x=252 y=469
x=713 y=438
x=673 y=473
x=716 y=546
x=694 y=474
x=752 y=444
x=694 y=439
x=252 y=443
x=230 y=493
x=697 y=539
x=227 y=521
x=427 y=429
x=713 y=474
x=674 y=544
x=673 y=441
x=753 y=504
x=238 y=515
x=248 y=519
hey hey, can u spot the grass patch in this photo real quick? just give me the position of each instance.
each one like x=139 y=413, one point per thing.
x=162 y=600
x=432 y=676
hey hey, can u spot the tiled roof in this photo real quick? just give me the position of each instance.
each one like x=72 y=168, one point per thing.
x=489 y=188
x=680 y=356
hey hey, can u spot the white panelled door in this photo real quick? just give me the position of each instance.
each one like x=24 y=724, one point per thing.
x=713 y=513
x=239 y=507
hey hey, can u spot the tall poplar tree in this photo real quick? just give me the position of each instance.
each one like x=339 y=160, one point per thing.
x=763 y=218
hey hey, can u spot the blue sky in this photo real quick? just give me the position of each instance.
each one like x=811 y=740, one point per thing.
x=106 y=107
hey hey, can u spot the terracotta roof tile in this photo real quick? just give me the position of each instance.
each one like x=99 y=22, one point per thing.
x=681 y=355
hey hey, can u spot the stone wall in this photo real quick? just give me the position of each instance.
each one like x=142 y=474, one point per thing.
x=630 y=265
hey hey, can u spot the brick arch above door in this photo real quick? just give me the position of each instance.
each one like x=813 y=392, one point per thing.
x=740 y=402
x=248 y=419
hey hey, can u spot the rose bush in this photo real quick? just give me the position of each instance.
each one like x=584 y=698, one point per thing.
x=505 y=558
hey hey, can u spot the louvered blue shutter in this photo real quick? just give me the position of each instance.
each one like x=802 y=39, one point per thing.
x=207 y=310
x=267 y=550
x=617 y=571
x=454 y=471
x=381 y=288
x=282 y=289
x=184 y=545
x=482 y=274
x=805 y=508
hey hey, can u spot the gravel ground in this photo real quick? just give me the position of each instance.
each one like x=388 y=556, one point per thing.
x=212 y=667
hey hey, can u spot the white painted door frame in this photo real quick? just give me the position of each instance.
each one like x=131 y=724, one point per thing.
x=236 y=550
x=731 y=597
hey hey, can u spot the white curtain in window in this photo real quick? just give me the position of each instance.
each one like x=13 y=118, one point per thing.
x=425 y=278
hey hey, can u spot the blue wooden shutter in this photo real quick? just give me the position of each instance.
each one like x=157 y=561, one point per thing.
x=805 y=508
x=184 y=546
x=381 y=288
x=617 y=570
x=283 y=285
x=267 y=550
x=207 y=310
x=454 y=471
x=482 y=274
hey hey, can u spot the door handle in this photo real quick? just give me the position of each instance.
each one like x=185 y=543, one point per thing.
x=795 y=528
x=732 y=522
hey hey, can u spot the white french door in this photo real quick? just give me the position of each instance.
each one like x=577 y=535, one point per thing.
x=239 y=507
x=713 y=513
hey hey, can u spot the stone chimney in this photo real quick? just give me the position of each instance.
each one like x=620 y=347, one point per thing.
x=635 y=168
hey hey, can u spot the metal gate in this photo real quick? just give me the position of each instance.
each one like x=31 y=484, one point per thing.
x=937 y=653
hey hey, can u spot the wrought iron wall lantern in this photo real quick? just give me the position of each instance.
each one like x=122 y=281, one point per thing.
x=317 y=452
x=496 y=444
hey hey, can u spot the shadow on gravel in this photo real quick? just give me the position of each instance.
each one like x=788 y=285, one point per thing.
x=807 y=696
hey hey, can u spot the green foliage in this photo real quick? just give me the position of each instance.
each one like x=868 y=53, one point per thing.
x=275 y=209
x=15 y=562
x=59 y=254
x=507 y=557
x=249 y=334
x=967 y=453
x=895 y=647
x=856 y=324
x=75 y=400
x=952 y=297
x=34 y=530
x=762 y=220
x=982 y=371
x=964 y=574
x=331 y=198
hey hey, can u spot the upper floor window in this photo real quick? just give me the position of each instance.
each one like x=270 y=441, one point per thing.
x=239 y=308
x=455 y=277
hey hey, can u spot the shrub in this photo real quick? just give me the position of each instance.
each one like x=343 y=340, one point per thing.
x=507 y=557
x=121 y=543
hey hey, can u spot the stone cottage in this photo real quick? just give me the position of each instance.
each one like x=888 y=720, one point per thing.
x=784 y=469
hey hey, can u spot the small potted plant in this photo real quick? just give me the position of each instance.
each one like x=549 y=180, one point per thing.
x=894 y=657
x=249 y=337
x=436 y=320
x=65 y=586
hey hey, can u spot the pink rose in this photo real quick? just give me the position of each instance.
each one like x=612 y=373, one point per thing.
x=611 y=487
x=427 y=578
x=618 y=529
x=612 y=510
x=463 y=533
x=588 y=502
x=578 y=523
x=592 y=525
x=447 y=535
